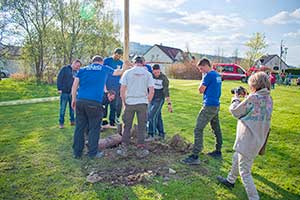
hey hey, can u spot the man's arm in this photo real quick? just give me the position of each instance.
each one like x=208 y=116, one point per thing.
x=202 y=89
x=74 y=92
x=60 y=80
x=119 y=72
x=123 y=93
x=151 y=93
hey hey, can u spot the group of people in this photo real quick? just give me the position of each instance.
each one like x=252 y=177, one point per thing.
x=143 y=92
x=98 y=86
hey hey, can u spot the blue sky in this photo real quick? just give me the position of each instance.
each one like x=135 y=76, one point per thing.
x=205 y=26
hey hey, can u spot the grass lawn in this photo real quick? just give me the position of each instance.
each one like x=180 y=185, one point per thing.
x=15 y=90
x=36 y=157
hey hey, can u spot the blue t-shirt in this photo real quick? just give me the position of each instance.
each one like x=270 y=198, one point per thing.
x=92 y=79
x=213 y=82
x=149 y=68
x=112 y=82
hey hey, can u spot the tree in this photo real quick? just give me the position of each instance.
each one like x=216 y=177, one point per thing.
x=257 y=46
x=33 y=17
x=54 y=32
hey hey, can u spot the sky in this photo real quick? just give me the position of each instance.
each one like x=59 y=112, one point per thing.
x=205 y=26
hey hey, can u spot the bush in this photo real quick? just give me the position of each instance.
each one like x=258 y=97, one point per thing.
x=20 y=76
x=293 y=71
x=184 y=71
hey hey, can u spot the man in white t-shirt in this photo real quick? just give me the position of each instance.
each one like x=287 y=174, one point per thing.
x=137 y=90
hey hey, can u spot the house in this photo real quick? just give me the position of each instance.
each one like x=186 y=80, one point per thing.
x=163 y=55
x=273 y=62
x=10 y=58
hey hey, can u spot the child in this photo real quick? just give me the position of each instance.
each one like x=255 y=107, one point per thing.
x=254 y=116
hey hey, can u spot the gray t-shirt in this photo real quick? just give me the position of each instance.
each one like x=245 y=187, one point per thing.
x=137 y=80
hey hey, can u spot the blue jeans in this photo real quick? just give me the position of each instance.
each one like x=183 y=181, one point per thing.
x=65 y=98
x=155 y=122
x=88 y=115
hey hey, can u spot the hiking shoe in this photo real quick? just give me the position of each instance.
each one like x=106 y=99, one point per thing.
x=224 y=182
x=142 y=153
x=61 y=126
x=122 y=151
x=191 y=160
x=215 y=154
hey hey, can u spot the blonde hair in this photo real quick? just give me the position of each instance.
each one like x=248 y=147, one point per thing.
x=259 y=81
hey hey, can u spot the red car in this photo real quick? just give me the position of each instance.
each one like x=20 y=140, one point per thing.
x=230 y=71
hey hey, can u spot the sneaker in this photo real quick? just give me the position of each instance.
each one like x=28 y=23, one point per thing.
x=224 y=182
x=191 y=160
x=215 y=154
x=122 y=151
x=142 y=153
x=149 y=139
x=61 y=126
x=98 y=155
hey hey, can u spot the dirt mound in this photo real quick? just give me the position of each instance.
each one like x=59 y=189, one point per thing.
x=131 y=170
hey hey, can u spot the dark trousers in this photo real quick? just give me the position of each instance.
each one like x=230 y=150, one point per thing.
x=155 y=122
x=141 y=112
x=65 y=98
x=88 y=115
x=207 y=114
x=115 y=109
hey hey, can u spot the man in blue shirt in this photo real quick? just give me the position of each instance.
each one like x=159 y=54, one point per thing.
x=64 y=85
x=211 y=90
x=112 y=83
x=89 y=85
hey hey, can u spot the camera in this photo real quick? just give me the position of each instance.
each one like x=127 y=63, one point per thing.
x=241 y=91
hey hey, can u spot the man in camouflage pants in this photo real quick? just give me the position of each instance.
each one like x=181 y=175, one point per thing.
x=211 y=90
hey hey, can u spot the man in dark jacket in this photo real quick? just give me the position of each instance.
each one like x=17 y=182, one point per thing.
x=64 y=85
x=161 y=88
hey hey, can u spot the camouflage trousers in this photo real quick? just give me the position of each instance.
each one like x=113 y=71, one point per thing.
x=207 y=114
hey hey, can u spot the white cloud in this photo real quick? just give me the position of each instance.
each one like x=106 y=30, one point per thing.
x=215 y=23
x=293 y=34
x=284 y=17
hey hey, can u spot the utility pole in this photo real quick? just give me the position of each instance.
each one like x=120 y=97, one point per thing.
x=281 y=52
x=126 y=30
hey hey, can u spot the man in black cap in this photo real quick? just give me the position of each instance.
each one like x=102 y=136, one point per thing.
x=112 y=83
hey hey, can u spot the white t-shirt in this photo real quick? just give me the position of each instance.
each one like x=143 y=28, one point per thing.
x=137 y=80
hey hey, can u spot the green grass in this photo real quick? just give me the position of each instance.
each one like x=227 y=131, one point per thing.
x=15 y=90
x=36 y=157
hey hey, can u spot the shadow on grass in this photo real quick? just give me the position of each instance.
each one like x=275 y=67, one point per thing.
x=285 y=194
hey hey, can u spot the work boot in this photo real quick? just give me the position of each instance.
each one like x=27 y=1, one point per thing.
x=224 y=182
x=191 y=160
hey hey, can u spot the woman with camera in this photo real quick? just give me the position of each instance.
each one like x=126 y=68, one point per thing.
x=254 y=116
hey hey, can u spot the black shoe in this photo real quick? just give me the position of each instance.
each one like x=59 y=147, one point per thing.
x=191 y=160
x=224 y=182
x=215 y=154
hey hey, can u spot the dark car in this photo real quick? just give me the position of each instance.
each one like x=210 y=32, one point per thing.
x=4 y=73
